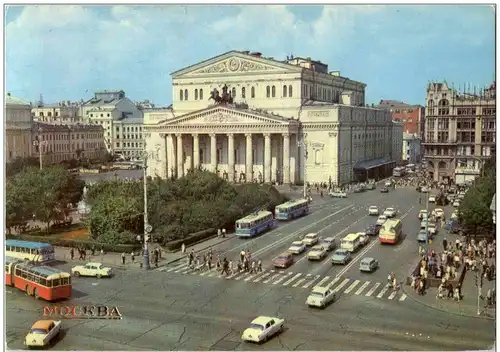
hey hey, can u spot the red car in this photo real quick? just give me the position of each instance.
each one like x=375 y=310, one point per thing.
x=284 y=260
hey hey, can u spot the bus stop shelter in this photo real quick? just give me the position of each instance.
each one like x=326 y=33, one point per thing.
x=373 y=169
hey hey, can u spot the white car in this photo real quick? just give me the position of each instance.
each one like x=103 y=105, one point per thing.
x=381 y=219
x=422 y=214
x=390 y=212
x=439 y=213
x=432 y=199
x=297 y=247
x=388 y=183
x=310 y=239
x=92 y=269
x=456 y=203
x=317 y=252
x=262 y=329
x=363 y=238
x=338 y=194
x=42 y=332
x=320 y=297
x=329 y=243
x=373 y=210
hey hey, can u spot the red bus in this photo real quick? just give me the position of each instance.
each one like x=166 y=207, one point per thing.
x=38 y=281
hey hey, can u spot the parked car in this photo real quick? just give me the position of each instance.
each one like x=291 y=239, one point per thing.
x=432 y=198
x=337 y=194
x=422 y=213
x=422 y=236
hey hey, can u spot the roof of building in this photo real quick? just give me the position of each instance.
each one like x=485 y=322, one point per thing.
x=369 y=164
x=27 y=244
x=102 y=103
x=12 y=100
x=133 y=120
x=112 y=91
x=65 y=127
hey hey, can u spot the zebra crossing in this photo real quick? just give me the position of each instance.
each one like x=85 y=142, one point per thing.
x=339 y=285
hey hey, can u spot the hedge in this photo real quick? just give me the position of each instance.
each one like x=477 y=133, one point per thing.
x=195 y=237
x=65 y=242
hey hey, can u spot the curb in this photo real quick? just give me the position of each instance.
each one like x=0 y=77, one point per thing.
x=443 y=310
x=199 y=250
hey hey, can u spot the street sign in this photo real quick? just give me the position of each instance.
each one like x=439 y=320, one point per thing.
x=148 y=228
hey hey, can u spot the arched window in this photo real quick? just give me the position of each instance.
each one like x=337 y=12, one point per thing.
x=284 y=91
x=273 y=92
x=185 y=94
x=243 y=93
x=196 y=94
x=233 y=92
x=252 y=92
x=181 y=94
x=201 y=94
x=268 y=92
x=290 y=91
x=443 y=107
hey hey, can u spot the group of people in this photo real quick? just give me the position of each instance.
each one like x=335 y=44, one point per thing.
x=224 y=266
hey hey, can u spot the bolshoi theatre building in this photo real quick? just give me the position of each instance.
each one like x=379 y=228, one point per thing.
x=251 y=118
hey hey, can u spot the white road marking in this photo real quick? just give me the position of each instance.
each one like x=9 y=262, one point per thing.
x=184 y=271
x=311 y=282
x=208 y=272
x=342 y=284
x=250 y=277
x=358 y=292
x=384 y=290
x=232 y=275
x=178 y=269
x=325 y=279
x=286 y=283
x=264 y=276
x=95 y=283
x=244 y=275
x=333 y=282
x=213 y=273
x=403 y=297
x=392 y=295
x=299 y=282
x=369 y=293
x=283 y=277
x=353 y=285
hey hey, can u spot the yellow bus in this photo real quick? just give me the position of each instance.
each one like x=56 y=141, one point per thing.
x=351 y=242
x=391 y=231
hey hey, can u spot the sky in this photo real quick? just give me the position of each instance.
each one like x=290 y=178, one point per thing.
x=67 y=52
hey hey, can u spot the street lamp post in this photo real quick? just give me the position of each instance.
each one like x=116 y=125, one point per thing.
x=303 y=143
x=427 y=222
x=39 y=144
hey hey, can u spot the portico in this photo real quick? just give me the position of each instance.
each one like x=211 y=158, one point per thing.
x=240 y=145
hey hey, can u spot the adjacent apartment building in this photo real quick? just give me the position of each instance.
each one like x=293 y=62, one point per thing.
x=459 y=131
x=412 y=116
x=411 y=149
x=63 y=111
x=121 y=120
x=18 y=132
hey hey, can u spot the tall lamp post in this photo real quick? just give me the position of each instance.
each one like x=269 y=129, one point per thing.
x=427 y=221
x=303 y=143
x=39 y=144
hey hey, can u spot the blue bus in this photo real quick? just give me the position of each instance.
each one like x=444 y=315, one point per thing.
x=292 y=209
x=32 y=251
x=254 y=224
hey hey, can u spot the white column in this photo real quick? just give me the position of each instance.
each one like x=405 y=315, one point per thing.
x=196 y=151
x=213 y=152
x=230 y=156
x=248 y=158
x=170 y=156
x=180 y=163
x=286 y=158
x=267 y=157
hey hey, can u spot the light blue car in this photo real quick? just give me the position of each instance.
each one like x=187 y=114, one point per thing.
x=341 y=256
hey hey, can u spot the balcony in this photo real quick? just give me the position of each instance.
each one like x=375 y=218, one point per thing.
x=438 y=156
x=439 y=142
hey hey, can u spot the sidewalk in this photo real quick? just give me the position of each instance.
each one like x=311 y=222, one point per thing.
x=113 y=259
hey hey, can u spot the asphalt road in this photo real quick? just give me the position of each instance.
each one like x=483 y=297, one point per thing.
x=185 y=312
x=173 y=308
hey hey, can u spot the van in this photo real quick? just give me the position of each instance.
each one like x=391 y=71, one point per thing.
x=351 y=242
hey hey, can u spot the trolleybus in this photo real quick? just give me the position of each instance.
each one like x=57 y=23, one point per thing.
x=254 y=224
x=33 y=251
x=292 y=209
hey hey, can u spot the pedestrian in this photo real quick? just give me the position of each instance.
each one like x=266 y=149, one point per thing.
x=223 y=233
x=93 y=250
x=72 y=253
x=219 y=233
x=123 y=258
x=242 y=255
x=191 y=257
x=445 y=243
x=183 y=248
x=132 y=257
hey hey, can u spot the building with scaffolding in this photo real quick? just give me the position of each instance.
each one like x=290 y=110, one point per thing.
x=459 y=132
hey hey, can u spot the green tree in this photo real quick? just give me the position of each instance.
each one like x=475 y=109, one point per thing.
x=19 y=164
x=474 y=211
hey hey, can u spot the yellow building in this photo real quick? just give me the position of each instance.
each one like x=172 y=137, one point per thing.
x=60 y=142
x=18 y=123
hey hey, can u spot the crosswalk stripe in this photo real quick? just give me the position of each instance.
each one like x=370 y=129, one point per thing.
x=333 y=282
x=369 y=293
x=299 y=282
x=208 y=272
x=286 y=276
x=353 y=285
x=403 y=297
x=244 y=275
x=185 y=270
x=181 y=268
x=286 y=283
x=358 y=292
x=177 y=268
x=213 y=273
x=264 y=276
x=272 y=278
x=342 y=284
x=392 y=295
x=384 y=290
x=311 y=282
x=250 y=277
x=236 y=273
x=325 y=279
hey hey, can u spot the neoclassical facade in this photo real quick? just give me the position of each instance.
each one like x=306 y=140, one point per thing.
x=289 y=121
x=18 y=133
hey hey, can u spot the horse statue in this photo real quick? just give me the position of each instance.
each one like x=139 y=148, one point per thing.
x=225 y=98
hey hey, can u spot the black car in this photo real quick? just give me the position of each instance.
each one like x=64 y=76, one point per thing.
x=373 y=230
x=384 y=190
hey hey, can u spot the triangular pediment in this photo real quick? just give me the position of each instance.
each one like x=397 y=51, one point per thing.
x=226 y=115
x=237 y=63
